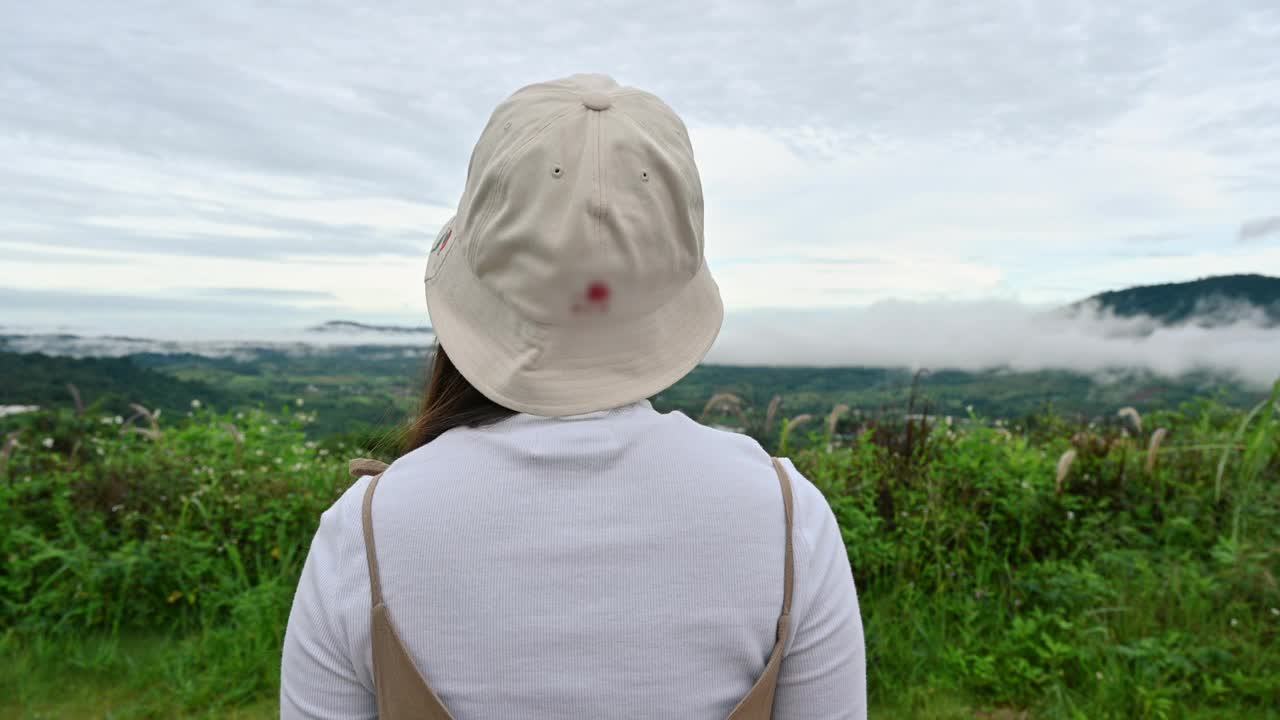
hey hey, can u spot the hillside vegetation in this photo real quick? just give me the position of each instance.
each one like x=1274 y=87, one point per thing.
x=1210 y=301
x=112 y=383
x=358 y=389
x=1124 y=569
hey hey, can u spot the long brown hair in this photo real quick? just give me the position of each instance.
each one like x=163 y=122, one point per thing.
x=449 y=401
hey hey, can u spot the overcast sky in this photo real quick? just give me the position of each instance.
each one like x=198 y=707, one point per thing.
x=228 y=163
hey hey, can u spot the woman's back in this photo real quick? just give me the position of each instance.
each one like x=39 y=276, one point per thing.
x=623 y=563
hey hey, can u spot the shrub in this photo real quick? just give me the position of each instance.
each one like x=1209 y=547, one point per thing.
x=1140 y=581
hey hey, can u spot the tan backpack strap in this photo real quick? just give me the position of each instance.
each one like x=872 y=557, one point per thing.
x=758 y=703
x=788 y=573
x=371 y=552
x=366 y=466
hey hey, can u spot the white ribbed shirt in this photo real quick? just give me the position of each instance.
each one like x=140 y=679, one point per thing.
x=619 y=564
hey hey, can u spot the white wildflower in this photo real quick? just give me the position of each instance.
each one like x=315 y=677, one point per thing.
x=1234 y=622
x=300 y=402
x=47 y=442
x=195 y=404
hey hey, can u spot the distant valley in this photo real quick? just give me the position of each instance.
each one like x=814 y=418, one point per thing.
x=355 y=375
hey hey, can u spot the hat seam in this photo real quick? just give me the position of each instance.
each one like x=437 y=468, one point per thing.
x=501 y=172
x=546 y=326
x=600 y=196
x=649 y=131
x=662 y=382
x=538 y=328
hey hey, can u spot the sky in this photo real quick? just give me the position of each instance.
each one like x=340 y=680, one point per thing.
x=208 y=168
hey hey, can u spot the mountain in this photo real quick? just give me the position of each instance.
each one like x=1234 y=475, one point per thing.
x=1208 y=301
x=346 y=326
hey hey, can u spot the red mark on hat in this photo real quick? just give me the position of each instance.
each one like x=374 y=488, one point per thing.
x=597 y=292
x=596 y=297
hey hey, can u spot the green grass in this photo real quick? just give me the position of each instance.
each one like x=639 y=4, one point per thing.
x=150 y=575
x=115 y=677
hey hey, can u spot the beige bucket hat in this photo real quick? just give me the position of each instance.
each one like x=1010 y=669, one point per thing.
x=573 y=278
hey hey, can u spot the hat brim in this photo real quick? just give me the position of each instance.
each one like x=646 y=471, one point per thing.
x=556 y=370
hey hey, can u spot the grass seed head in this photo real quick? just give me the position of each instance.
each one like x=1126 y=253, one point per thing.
x=724 y=402
x=1133 y=415
x=833 y=419
x=1153 y=449
x=772 y=413
x=1064 y=468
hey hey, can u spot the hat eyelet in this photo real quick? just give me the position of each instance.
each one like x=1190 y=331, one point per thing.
x=557 y=171
x=506 y=126
x=644 y=176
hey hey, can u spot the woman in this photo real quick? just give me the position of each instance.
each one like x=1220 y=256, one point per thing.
x=551 y=546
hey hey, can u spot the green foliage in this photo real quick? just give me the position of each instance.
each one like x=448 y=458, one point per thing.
x=1121 y=593
x=990 y=393
x=156 y=565
x=109 y=384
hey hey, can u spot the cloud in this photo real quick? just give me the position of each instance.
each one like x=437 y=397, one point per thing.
x=273 y=294
x=184 y=227
x=199 y=315
x=987 y=335
x=928 y=150
x=200 y=301
x=975 y=335
x=55 y=256
x=1260 y=229
x=823 y=282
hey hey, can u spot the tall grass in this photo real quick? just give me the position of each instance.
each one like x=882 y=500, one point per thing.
x=1054 y=568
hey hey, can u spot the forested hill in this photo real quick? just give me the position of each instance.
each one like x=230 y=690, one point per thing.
x=1211 y=300
x=111 y=384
